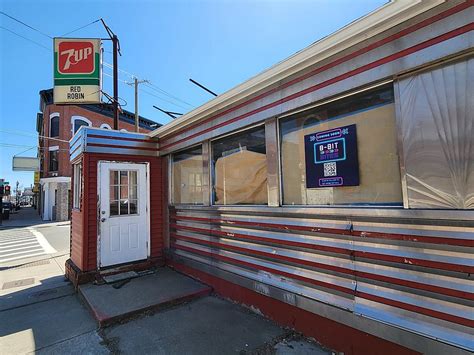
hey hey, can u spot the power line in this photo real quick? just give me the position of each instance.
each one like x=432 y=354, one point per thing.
x=80 y=28
x=33 y=135
x=25 y=24
x=25 y=38
x=150 y=85
x=149 y=93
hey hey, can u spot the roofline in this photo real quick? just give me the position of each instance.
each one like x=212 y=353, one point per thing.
x=372 y=24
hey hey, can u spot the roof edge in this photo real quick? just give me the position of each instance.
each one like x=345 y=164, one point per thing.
x=372 y=24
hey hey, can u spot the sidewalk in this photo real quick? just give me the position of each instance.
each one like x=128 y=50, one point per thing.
x=27 y=217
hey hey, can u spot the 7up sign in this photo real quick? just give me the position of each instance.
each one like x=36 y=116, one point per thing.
x=77 y=70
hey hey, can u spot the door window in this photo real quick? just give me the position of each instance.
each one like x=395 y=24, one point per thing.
x=123 y=192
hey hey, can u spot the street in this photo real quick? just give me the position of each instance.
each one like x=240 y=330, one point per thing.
x=26 y=238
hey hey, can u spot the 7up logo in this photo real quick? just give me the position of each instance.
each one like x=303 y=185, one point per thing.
x=76 y=57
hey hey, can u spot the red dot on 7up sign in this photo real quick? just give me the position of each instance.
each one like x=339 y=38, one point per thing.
x=77 y=70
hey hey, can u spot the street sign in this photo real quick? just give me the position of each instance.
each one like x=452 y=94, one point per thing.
x=77 y=70
x=26 y=164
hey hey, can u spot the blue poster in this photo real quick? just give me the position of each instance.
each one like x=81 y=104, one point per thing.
x=331 y=158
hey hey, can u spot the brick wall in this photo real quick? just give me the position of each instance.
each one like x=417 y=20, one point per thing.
x=66 y=112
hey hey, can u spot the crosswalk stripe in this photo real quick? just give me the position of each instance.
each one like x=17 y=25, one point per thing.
x=22 y=244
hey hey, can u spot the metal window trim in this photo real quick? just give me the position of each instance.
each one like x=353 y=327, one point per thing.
x=171 y=180
x=401 y=159
x=337 y=97
x=211 y=161
x=273 y=162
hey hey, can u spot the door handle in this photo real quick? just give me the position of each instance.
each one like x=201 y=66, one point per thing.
x=102 y=219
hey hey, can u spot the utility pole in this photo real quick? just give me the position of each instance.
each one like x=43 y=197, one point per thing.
x=115 y=60
x=116 y=52
x=137 y=117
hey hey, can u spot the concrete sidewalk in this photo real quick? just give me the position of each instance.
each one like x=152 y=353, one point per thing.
x=33 y=282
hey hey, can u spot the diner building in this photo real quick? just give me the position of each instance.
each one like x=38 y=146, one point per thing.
x=333 y=192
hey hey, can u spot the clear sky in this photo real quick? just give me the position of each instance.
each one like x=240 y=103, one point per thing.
x=219 y=43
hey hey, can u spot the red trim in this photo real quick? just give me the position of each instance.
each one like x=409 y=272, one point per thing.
x=417 y=262
x=362 y=234
x=402 y=305
x=356 y=253
x=417 y=285
x=388 y=279
x=332 y=334
x=417 y=309
x=122 y=138
x=285 y=227
x=265 y=254
x=346 y=58
x=261 y=239
x=121 y=146
x=264 y=268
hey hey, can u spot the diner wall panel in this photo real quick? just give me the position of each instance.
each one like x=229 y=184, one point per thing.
x=414 y=276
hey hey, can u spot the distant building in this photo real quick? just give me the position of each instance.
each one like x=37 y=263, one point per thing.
x=61 y=122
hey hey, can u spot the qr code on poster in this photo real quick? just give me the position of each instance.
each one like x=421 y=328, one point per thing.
x=330 y=169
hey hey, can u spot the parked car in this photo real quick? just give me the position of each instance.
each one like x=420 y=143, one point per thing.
x=7 y=206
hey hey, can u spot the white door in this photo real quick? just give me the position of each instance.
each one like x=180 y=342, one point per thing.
x=124 y=232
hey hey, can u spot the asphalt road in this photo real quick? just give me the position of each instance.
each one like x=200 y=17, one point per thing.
x=26 y=238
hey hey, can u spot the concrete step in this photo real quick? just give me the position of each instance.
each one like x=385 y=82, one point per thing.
x=163 y=289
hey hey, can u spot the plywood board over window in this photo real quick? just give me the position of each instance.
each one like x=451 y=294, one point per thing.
x=373 y=113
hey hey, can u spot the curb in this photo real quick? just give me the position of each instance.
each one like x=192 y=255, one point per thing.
x=107 y=321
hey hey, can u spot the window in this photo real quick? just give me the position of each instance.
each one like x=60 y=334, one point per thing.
x=187 y=177
x=105 y=126
x=54 y=125
x=77 y=122
x=53 y=160
x=240 y=168
x=373 y=114
x=77 y=186
x=123 y=192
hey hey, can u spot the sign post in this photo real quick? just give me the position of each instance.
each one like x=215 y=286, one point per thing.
x=77 y=70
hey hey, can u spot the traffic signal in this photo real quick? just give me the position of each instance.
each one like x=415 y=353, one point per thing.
x=6 y=190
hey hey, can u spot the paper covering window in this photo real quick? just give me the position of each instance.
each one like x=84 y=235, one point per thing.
x=240 y=169
x=373 y=114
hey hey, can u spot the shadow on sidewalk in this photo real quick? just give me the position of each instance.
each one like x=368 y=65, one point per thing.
x=26 y=217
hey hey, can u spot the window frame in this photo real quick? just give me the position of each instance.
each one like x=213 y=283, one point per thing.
x=51 y=117
x=77 y=186
x=77 y=118
x=171 y=176
x=212 y=168
x=314 y=106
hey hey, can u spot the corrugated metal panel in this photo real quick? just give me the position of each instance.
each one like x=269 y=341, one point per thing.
x=415 y=275
x=95 y=140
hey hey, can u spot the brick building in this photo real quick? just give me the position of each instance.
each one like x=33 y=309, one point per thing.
x=61 y=122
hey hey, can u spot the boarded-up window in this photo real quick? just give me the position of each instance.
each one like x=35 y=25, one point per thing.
x=373 y=115
x=240 y=168
x=187 y=177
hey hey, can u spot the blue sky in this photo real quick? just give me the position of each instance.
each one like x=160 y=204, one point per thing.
x=218 y=43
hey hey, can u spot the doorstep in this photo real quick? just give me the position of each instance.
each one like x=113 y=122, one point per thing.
x=162 y=289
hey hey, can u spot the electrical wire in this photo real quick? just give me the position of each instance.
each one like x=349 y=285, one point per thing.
x=25 y=24
x=80 y=28
x=25 y=38
x=32 y=135
x=151 y=86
